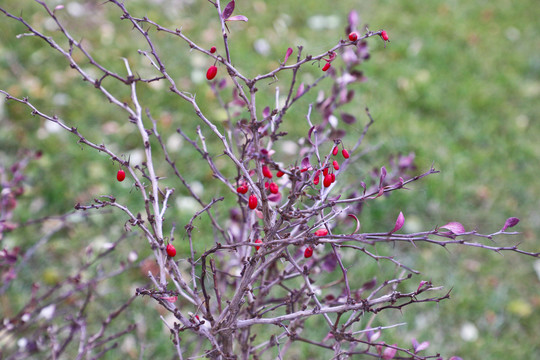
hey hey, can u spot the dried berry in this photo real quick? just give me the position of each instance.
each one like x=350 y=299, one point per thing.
x=252 y=202
x=211 y=73
x=120 y=175
x=171 y=251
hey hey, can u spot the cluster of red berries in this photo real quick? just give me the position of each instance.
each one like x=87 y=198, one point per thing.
x=308 y=252
x=269 y=185
x=329 y=177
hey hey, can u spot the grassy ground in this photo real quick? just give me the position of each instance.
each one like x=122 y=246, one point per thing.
x=458 y=84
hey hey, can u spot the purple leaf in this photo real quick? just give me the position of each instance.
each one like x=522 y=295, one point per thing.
x=455 y=358
x=373 y=336
x=455 y=227
x=300 y=91
x=329 y=263
x=309 y=135
x=305 y=163
x=287 y=54
x=353 y=19
x=510 y=222
x=229 y=9
x=419 y=347
x=274 y=197
x=266 y=112
x=237 y=18
x=422 y=283
x=399 y=222
x=389 y=353
x=357 y=223
x=383 y=176
x=348 y=118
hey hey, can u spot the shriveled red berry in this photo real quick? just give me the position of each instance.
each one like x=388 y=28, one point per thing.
x=274 y=189
x=321 y=232
x=317 y=177
x=211 y=73
x=326 y=66
x=252 y=202
x=308 y=252
x=171 y=251
x=336 y=165
x=335 y=150
x=384 y=35
x=345 y=153
x=258 y=241
x=280 y=173
x=327 y=180
x=353 y=36
x=212 y=49
x=120 y=175
x=266 y=172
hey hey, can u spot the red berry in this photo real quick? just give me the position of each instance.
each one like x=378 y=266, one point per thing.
x=171 y=251
x=336 y=165
x=384 y=35
x=327 y=180
x=333 y=177
x=242 y=189
x=335 y=150
x=266 y=185
x=252 y=202
x=317 y=177
x=212 y=49
x=326 y=67
x=345 y=153
x=280 y=173
x=120 y=175
x=325 y=171
x=211 y=73
x=321 y=232
x=258 y=241
x=308 y=252
x=266 y=172
x=274 y=189
x=353 y=36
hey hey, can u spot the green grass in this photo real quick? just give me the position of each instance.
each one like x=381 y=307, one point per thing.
x=458 y=84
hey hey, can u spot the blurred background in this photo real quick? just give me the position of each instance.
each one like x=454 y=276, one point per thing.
x=458 y=85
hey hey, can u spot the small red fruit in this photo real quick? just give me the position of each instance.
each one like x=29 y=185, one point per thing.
x=280 y=173
x=171 y=251
x=325 y=171
x=274 y=189
x=212 y=49
x=211 y=73
x=327 y=180
x=321 y=232
x=252 y=202
x=335 y=150
x=336 y=165
x=353 y=36
x=258 y=241
x=345 y=153
x=317 y=177
x=308 y=252
x=384 y=35
x=242 y=189
x=266 y=172
x=120 y=175
x=333 y=177
x=326 y=67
